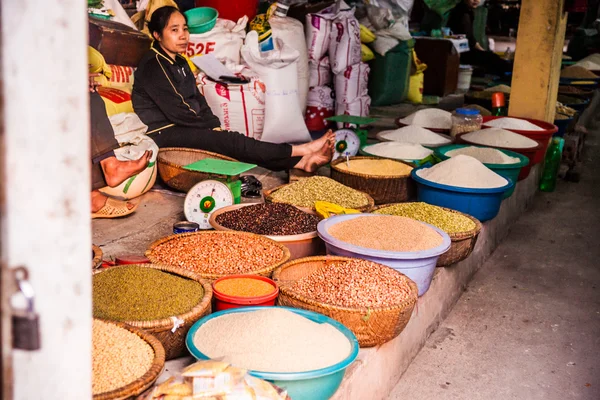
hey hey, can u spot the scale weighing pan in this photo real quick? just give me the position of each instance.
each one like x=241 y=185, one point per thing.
x=219 y=167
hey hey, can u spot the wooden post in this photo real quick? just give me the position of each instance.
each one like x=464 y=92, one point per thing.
x=538 y=57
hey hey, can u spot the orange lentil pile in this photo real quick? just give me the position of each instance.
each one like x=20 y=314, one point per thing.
x=219 y=253
x=355 y=283
x=244 y=287
x=387 y=233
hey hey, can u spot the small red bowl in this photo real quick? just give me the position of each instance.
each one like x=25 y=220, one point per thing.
x=225 y=302
x=542 y=137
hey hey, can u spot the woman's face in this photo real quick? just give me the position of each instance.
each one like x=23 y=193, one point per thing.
x=473 y=3
x=175 y=36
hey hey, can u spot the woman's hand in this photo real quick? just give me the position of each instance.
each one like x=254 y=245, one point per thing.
x=93 y=85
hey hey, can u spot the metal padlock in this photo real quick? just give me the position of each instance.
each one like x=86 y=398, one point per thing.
x=25 y=323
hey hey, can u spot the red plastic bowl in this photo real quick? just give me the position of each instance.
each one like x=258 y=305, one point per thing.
x=542 y=137
x=436 y=130
x=530 y=153
x=225 y=302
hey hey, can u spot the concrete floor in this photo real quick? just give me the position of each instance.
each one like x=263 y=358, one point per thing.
x=528 y=324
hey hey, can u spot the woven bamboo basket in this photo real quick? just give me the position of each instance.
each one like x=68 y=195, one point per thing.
x=462 y=243
x=97 y=258
x=144 y=382
x=269 y=198
x=372 y=326
x=174 y=342
x=383 y=189
x=262 y=271
x=171 y=161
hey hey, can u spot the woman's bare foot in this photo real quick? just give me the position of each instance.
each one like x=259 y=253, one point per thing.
x=116 y=172
x=312 y=162
x=99 y=200
x=314 y=146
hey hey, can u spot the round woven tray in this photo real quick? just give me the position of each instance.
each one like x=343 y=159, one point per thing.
x=372 y=326
x=174 y=342
x=382 y=188
x=97 y=259
x=269 y=198
x=171 y=161
x=263 y=271
x=138 y=386
x=462 y=243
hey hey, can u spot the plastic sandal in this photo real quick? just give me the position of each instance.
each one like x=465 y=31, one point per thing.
x=114 y=209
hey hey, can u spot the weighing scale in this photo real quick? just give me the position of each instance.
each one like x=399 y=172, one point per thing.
x=224 y=189
x=350 y=138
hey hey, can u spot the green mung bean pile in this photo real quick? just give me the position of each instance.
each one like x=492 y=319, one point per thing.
x=449 y=222
x=305 y=192
x=135 y=293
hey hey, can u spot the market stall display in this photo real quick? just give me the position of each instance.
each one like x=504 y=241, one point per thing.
x=316 y=347
x=383 y=179
x=463 y=229
x=464 y=184
x=414 y=134
x=433 y=119
x=408 y=152
x=125 y=360
x=161 y=300
x=406 y=245
x=244 y=290
x=304 y=193
x=284 y=223
x=215 y=254
x=374 y=301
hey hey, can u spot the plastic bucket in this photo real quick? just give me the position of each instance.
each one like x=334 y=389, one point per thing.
x=417 y=265
x=482 y=204
x=465 y=72
x=226 y=302
x=509 y=171
x=542 y=137
x=562 y=125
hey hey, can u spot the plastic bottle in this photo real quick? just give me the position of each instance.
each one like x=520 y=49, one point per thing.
x=498 y=105
x=551 y=165
x=282 y=8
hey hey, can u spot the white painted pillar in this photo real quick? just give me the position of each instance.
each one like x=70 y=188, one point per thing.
x=46 y=218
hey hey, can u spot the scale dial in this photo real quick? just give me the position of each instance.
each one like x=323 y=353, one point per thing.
x=204 y=198
x=347 y=143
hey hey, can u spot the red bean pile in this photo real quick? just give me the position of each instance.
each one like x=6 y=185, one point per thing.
x=276 y=219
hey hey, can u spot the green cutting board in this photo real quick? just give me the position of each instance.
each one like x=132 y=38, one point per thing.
x=219 y=167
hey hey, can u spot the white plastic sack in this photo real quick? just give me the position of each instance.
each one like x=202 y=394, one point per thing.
x=130 y=132
x=319 y=72
x=358 y=108
x=120 y=13
x=240 y=107
x=277 y=69
x=344 y=45
x=352 y=83
x=320 y=105
x=318 y=31
x=291 y=32
x=224 y=41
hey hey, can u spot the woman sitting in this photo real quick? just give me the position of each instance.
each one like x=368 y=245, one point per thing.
x=166 y=98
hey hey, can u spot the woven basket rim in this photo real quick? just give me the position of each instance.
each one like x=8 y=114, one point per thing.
x=453 y=236
x=97 y=260
x=162 y=151
x=167 y=323
x=139 y=385
x=267 y=269
x=282 y=289
x=366 y=208
x=334 y=166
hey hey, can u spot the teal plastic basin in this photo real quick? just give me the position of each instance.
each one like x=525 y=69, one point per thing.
x=318 y=384
x=201 y=19
x=509 y=171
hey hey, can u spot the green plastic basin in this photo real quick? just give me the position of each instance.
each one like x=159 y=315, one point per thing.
x=201 y=19
x=510 y=171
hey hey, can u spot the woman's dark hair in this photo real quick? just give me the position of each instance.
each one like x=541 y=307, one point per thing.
x=160 y=19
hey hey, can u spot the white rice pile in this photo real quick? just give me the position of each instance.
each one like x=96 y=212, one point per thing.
x=486 y=155
x=399 y=151
x=513 y=123
x=463 y=171
x=497 y=137
x=429 y=118
x=591 y=62
x=414 y=134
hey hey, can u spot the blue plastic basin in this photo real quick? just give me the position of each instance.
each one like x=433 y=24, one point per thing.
x=562 y=125
x=482 y=204
x=508 y=171
x=319 y=384
x=417 y=265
